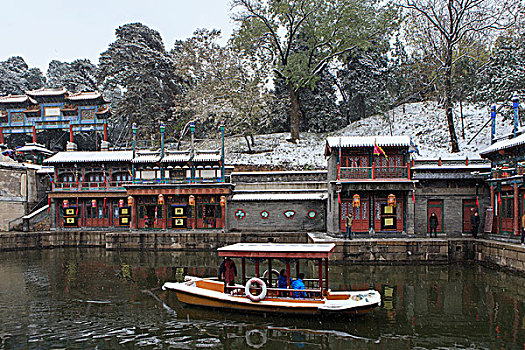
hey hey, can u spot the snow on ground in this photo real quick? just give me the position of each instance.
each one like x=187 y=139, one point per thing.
x=424 y=122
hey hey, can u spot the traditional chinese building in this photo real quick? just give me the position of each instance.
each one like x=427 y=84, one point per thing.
x=506 y=183
x=369 y=177
x=45 y=109
x=140 y=189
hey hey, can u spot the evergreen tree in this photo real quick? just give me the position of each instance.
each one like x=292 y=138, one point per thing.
x=79 y=75
x=140 y=71
x=16 y=77
x=363 y=82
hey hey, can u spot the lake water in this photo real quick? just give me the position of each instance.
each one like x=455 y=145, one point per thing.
x=93 y=298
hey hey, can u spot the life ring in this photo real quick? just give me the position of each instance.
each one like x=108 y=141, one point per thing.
x=274 y=273
x=252 y=297
x=260 y=334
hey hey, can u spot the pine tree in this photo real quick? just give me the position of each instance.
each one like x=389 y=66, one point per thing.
x=140 y=72
x=16 y=77
x=79 y=75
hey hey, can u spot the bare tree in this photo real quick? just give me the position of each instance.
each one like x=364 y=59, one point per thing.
x=447 y=30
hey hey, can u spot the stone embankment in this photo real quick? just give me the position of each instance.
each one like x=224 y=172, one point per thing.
x=509 y=256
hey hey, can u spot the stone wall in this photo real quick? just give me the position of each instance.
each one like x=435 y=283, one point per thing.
x=10 y=210
x=452 y=207
x=246 y=216
x=501 y=254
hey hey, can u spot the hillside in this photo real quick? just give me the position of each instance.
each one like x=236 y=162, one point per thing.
x=424 y=122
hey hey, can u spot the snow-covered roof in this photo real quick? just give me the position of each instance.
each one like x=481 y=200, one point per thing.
x=517 y=141
x=207 y=157
x=16 y=99
x=46 y=92
x=152 y=157
x=33 y=147
x=90 y=95
x=447 y=167
x=95 y=156
x=180 y=157
x=46 y=170
x=277 y=250
x=273 y=196
x=368 y=141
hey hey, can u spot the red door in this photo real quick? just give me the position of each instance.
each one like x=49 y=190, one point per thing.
x=469 y=207
x=435 y=206
x=360 y=222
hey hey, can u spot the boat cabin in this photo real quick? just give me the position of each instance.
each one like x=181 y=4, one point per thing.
x=268 y=256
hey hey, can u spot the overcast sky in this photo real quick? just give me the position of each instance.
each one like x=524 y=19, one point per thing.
x=43 y=30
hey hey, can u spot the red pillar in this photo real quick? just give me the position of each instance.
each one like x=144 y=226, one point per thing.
x=34 y=134
x=70 y=132
x=243 y=270
x=1 y=135
x=326 y=275
x=288 y=277
x=492 y=198
x=105 y=131
x=516 y=210
x=320 y=263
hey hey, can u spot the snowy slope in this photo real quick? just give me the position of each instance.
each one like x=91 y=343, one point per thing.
x=424 y=122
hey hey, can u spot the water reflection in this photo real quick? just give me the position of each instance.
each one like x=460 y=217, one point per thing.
x=87 y=298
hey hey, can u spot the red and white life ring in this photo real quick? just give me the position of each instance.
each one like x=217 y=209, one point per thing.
x=249 y=294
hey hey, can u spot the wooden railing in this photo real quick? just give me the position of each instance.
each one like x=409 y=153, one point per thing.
x=375 y=172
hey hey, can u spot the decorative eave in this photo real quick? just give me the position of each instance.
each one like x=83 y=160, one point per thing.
x=90 y=157
x=43 y=92
x=502 y=146
x=365 y=141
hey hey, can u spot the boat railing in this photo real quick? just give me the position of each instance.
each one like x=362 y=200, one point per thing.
x=307 y=294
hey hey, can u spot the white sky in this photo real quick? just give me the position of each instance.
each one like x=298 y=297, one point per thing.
x=43 y=30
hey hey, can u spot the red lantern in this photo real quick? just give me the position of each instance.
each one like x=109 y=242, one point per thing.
x=223 y=201
x=391 y=200
x=93 y=202
x=65 y=203
x=121 y=203
x=130 y=201
x=356 y=202
x=160 y=199
x=192 y=200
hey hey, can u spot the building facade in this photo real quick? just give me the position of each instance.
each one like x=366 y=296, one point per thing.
x=505 y=178
x=369 y=177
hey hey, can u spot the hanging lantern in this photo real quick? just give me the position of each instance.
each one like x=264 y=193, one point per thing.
x=130 y=201
x=223 y=201
x=391 y=200
x=356 y=202
x=120 y=203
x=65 y=203
x=160 y=199
x=93 y=202
x=192 y=200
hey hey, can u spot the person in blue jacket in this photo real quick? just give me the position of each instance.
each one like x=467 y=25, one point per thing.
x=282 y=282
x=299 y=284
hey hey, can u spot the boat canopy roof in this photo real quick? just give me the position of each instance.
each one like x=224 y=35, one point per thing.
x=276 y=250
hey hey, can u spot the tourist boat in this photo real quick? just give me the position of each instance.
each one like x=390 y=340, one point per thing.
x=260 y=294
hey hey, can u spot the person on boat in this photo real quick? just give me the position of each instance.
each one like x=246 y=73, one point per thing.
x=227 y=273
x=299 y=284
x=282 y=282
x=433 y=223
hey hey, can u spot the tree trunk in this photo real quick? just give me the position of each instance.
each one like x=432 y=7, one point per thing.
x=448 y=102
x=295 y=113
x=462 y=123
x=248 y=143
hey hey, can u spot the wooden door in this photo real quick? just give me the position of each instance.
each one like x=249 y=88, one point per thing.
x=469 y=207
x=435 y=206
x=360 y=222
